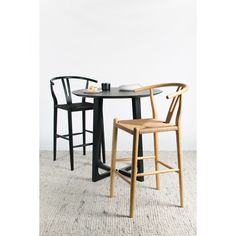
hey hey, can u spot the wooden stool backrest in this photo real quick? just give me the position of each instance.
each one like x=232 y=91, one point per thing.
x=176 y=97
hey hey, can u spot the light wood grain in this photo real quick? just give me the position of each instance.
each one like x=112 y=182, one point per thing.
x=134 y=172
x=158 y=172
x=137 y=127
x=123 y=177
x=180 y=165
x=166 y=165
x=153 y=104
x=124 y=159
x=172 y=107
x=183 y=89
x=156 y=151
x=113 y=158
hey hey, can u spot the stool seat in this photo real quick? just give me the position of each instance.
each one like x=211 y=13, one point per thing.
x=145 y=125
x=81 y=106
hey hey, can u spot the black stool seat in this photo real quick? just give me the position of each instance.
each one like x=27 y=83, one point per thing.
x=81 y=106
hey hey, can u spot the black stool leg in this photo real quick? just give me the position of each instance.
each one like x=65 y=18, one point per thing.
x=55 y=134
x=70 y=140
x=84 y=131
x=103 y=143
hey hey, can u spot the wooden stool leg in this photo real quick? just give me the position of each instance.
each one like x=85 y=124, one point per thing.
x=113 y=158
x=134 y=172
x=157 y=166
x=180 y=166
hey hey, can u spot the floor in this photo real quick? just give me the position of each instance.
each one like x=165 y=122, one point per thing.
x=72 y=205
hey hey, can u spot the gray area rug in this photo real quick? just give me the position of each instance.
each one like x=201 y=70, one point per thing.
x=72 y=205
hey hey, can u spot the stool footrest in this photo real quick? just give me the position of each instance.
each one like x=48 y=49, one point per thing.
x=82 y=145
x=62 y=136
x=158 y=172
x=123 y=177
x=89 y=131
x=66 y=136
x=130 y=158
x=166 y=165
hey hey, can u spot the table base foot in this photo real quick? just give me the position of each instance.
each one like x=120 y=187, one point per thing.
x=98 y=176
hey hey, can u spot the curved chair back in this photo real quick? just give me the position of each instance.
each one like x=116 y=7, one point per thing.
x=176 y=97
x=65 y=81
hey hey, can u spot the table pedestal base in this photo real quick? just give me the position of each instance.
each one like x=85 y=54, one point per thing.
x=97 y=141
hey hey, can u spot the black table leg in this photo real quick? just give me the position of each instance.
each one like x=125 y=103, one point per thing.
x=136 y=105
x=103 y=143
x=97 y=142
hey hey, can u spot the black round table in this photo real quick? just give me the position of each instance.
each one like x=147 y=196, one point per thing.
x=114 y=93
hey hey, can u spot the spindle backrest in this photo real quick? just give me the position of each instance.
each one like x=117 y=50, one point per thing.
x=65 y=80
x=176 y=97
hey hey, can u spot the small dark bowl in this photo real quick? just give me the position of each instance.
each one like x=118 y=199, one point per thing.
x=106 y=86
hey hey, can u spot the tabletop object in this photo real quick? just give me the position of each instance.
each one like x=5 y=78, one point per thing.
x=129 y=87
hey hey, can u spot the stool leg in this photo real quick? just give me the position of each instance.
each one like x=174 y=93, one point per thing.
x=55 y=134
x=84 y=131
x=70 y=140
x=113 y=159
x=157 y=166
x=180 y=166
x=134 y=172
x=103 y=143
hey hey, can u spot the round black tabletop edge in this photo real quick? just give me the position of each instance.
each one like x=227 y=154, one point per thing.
x=115 y=93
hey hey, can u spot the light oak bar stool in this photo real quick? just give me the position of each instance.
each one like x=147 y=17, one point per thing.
x=153 y=125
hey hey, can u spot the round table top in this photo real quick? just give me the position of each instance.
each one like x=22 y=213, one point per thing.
x=115 y=93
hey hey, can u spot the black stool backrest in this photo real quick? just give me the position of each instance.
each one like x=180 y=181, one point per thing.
x=65 y=80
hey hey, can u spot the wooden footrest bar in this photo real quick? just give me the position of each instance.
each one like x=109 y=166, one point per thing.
x=124 y=159
x=130 y=158
x=166 y=165
x=123 y=177
x=126 y=179
x=158 y=172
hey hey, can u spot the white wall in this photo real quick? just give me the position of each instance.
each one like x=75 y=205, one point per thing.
x=120 y=42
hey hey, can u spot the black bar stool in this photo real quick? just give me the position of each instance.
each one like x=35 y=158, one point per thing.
x=72 y=107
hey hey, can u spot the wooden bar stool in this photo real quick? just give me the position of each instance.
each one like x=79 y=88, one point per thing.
x=141 y=126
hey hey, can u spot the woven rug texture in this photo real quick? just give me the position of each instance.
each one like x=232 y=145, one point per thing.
x=72 y=205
